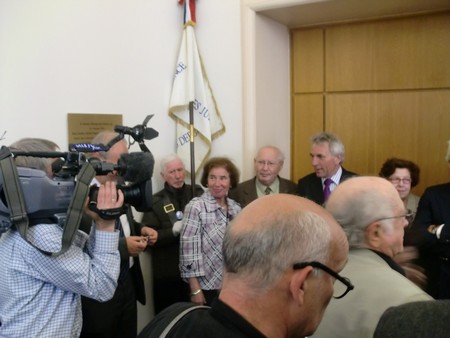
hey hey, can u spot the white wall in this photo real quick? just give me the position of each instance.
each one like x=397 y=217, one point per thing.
x=266 y=79
x=113 y=56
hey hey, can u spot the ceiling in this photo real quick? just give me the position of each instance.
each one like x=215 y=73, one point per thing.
x=298 y=13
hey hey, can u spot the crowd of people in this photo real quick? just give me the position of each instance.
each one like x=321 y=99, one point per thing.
x=336 y=254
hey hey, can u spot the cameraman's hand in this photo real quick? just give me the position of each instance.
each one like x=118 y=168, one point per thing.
x=109 y=197
x=151 y=234
x=136 y=244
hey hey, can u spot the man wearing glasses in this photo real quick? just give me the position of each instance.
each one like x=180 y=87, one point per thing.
x=282 y=256
x=268 y=163
x=373 y=217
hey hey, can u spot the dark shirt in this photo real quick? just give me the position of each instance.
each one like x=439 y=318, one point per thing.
x=220 y=321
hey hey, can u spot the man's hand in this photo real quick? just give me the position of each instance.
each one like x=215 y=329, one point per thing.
x=136 y=244
x=176 y=229
x=109 y=197
x=152 y=235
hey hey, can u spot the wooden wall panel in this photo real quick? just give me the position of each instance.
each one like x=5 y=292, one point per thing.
x=391 y=54
x=376 y=126
x=308 y=54
x=387 y=93
x=307 y=119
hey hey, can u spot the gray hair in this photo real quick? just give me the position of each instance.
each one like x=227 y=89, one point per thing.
x=355 y=211
x=32 y=145
x=167 y=159
x=280 y=154
x=262 y=254
x=336 y=146
x=447 y=156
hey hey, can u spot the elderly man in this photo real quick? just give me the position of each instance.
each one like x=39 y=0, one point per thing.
x=118 y=316
x=165 y=217
x=373 y=216
x=327 y=154
x=268 y=163
x=282 y=255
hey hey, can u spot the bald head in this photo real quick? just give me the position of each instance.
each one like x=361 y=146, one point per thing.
x=359 y=201
x=273 y=232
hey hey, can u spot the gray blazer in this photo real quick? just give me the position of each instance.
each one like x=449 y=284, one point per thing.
x=377 y=287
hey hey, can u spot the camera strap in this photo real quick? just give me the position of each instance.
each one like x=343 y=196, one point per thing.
x=76 y=206
x=13 y=192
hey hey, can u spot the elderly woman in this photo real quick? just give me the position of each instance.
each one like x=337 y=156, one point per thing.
x=404 y=175
x=204 y=222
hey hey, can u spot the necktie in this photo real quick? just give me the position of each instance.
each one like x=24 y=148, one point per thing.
x=268 y=191
x=326 y=189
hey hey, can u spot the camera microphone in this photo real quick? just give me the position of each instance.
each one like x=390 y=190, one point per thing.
x=140 y=132
x=136 y=167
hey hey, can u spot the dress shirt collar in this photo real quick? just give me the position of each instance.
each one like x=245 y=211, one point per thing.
x=261 y=188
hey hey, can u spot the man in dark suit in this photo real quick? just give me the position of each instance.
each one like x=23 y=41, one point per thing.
x=268 y=163
x=165 y=217
x=430 y=232
x=327 y=154
x=118 y=316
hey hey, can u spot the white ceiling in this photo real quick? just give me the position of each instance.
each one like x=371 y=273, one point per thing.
x=314 y=12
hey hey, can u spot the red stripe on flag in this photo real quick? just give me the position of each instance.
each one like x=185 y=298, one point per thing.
x=192 y=9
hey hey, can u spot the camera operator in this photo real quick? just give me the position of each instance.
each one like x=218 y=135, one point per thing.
x=118 y=316
x=39 y=293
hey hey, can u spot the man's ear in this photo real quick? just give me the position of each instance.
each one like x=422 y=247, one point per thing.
x=373 y=234
x=299 y=284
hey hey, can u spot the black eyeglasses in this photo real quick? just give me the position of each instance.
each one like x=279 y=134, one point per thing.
x=340 y=289
x=408 y=216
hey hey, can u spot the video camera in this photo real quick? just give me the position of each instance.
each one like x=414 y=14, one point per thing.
x=49 y=198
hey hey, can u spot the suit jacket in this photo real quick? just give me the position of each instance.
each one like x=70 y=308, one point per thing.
x=310 y=186
x=377 y=287
x=135 y=230
x=428 y=319
x=433 y=209
x=245 y=192
x=166 y=251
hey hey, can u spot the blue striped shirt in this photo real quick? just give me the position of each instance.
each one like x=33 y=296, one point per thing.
x=40 y=294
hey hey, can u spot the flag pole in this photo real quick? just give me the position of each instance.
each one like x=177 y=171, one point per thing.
x=191 y=129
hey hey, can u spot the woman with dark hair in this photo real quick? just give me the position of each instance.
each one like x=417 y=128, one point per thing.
x=404 y=175
x=204 y=222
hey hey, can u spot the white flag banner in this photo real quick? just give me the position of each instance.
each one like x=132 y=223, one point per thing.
x=191 y=85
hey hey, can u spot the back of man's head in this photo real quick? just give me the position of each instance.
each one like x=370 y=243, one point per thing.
x=34 y=145
x=260 y=248
x=359 y=201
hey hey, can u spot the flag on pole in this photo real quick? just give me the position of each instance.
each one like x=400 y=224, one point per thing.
x=191 y=84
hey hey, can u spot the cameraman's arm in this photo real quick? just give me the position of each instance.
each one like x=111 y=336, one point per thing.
x=90 y=267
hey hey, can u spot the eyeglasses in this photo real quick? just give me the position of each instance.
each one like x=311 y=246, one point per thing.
x=397 y=180
x=408 y=215
x=270 y=164
x=343 y=285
